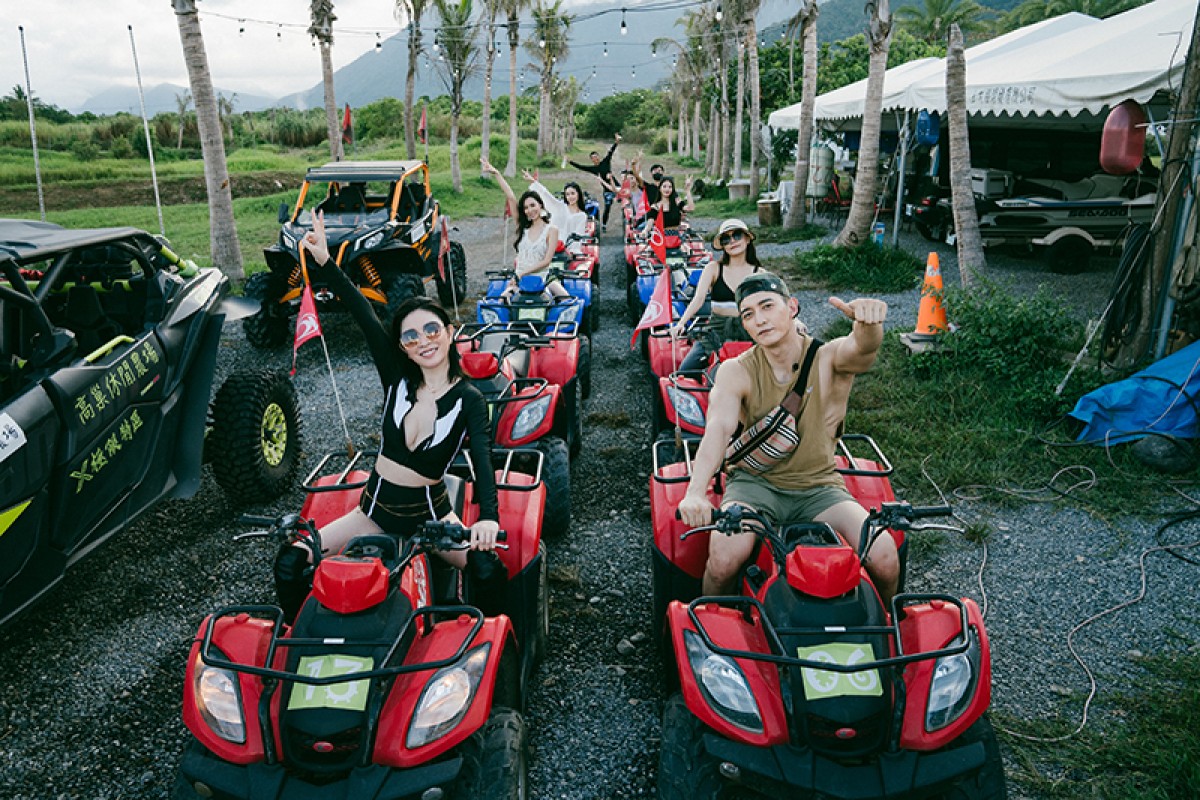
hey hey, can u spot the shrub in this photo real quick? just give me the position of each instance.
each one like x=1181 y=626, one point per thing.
x=866 y=268
x=1006 y=343
x=85 y=150
x=121 y=148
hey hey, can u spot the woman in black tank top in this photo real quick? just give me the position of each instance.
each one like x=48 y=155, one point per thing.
x=718 y=283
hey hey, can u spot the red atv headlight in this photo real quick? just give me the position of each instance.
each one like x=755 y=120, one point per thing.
x=952 y=685
x=446 y=698
x=220 y=702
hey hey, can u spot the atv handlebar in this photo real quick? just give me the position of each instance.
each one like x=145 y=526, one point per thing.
x=447 y=535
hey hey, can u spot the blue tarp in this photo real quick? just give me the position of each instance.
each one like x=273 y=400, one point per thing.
x=1162 y=398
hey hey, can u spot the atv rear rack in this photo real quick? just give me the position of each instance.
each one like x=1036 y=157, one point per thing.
x=880 y=467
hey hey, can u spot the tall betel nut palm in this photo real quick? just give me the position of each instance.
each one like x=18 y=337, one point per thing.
x=806 y=20
x=321 y=30
x=512 y=10
x=411 y=11
x=489 y=47
x=966 y=220
x=548 y=44
x=458 y=42
x=862 y=206
x=222 y=232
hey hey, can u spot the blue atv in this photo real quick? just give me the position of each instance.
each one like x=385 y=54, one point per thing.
x=533 y=303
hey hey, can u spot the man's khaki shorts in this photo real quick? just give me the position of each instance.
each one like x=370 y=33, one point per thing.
x=781 y=505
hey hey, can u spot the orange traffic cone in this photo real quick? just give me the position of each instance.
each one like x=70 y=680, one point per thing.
x=931 y=316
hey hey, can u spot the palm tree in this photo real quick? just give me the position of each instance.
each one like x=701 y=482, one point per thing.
x=547 y=45
x=862 y=207
x=930 y=21
x=1032 y=11
x=750 y=9
x=564 y=98
x=321 y=30
x=222 y=231
x=485 y=130
x=225 y=104
x=513 y=9
x=412 y=10
x=966 y=221
x=183 y=101
x=458 y=40
x=797 y=213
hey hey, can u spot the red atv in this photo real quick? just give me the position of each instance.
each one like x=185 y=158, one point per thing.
x=682 y=399
x=392 y=683
x=535 y=398
x=805 y=683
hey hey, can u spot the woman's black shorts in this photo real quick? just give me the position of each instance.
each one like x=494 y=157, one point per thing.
x=401 y=510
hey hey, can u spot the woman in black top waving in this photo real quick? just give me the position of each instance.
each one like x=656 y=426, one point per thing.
x=429 y=409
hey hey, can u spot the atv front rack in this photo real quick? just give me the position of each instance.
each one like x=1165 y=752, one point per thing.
x=214 y=658
x=341 y=484
x=777 y=655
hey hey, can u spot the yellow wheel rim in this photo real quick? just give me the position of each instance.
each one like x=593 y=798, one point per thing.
x=274 y=436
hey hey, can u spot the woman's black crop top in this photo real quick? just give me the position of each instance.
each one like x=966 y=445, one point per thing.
x=462 y=412
x=672 y=217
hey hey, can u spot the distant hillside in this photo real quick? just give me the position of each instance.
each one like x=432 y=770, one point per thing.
x=160 y=99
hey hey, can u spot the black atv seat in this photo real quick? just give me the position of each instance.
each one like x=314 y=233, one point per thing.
x=350 y=200
x=85 y=317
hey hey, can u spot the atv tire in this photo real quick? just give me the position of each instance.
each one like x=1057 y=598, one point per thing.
x=399 y=289
x=452 y=292
x=989 y=782
x=254 y=444
x=495 y=765
x=540 y=628
x=556 y=475
x=577 y=418
x=634 y=302
x=267 y=327
x=585 y=367
x=685 y=770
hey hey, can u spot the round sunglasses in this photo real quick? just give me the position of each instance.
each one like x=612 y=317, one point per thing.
x=410 y=337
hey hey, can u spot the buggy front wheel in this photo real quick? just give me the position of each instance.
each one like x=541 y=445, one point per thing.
x=254 y=443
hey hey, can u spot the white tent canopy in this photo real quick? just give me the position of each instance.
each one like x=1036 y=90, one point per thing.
x=1069 y=66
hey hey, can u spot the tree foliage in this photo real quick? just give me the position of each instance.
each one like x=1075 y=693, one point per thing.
x=625 y=113
x=931 y=20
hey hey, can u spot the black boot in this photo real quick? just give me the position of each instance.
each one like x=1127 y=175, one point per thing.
x=293 y=580
x=487 y=582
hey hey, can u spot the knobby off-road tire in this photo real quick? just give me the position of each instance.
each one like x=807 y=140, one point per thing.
x=577 y=419
x=633 y=301
x=254 y=444
x=494 y=760
x=399 y=289
x=267 y=327
x=556 y=475
x=540 y=627
x=989 y=783
x=455 y=288
x=585 y=367
x=685 y=771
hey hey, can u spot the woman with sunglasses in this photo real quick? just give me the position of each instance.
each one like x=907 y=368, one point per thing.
x=429 y=409
x=537 y=239
x=718 y=283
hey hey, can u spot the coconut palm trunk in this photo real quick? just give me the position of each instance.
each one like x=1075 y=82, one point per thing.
x=485 y=129
x=862 y=206
x=514 y=41
x=797 y=213
x=223 y=239
x=755 y=104
x=696 y=112
x=331 y=120
x=971 y=259
x=726 y=132
x=740 y=110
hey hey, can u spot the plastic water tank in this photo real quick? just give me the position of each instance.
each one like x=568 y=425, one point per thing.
x=1123 y=143
x=820 y=171
x=928 y=128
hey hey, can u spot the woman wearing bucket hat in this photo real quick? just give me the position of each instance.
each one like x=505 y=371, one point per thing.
x=718 y=283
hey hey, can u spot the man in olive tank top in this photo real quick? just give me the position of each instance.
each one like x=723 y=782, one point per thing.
x=804 y=485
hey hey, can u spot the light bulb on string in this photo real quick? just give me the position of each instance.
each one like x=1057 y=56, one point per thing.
x=542 y=43
x=633 y=72
x=279 y=34
x=606 y=49
x=719 y=15
x=378 y=44
x=624 y=28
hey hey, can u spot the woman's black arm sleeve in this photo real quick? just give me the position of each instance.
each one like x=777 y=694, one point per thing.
x=479 y=440
x=379 y=342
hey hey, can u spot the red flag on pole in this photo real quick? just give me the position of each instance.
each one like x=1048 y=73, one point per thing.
x=421 y=127
x=658 y=310
x=308 y=324
x=658 y=240
x=347 y=126
x=645 y=202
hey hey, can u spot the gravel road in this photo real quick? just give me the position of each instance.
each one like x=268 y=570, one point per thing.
x=90 y=701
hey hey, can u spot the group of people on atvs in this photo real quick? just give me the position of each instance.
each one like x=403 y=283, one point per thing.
x=802 y=664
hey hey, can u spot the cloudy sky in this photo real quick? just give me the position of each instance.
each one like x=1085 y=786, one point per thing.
x=78 y=48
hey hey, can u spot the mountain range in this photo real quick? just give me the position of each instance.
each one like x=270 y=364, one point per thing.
x=603 y=59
